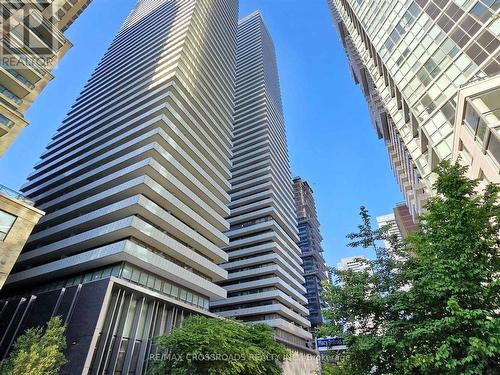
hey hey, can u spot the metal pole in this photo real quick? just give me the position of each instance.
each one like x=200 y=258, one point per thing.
x=320 y=371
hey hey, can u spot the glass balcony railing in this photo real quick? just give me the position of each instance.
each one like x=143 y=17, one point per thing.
x=494 y=146
x=6 y=121
x=54 y=31
x=10 y=95
x=53 y=48
x=14 y=194
x=26 y=45
x=15 y=48
x=250 y=223
x=19 y=77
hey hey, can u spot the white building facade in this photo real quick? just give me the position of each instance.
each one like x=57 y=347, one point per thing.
x=135 y=186
x=265 y=280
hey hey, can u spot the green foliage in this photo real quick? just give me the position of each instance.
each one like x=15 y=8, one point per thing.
x=37 y=352
x=429 y=305
x=330 y=369
x=208 y=346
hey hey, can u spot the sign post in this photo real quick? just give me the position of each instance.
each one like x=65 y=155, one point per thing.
x=329 y=348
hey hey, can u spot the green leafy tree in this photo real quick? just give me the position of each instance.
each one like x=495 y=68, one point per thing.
x=208 y=346
x=360 y=304
x=37 y=351
x=330 y=369
x=455 y=327
x=430 y=305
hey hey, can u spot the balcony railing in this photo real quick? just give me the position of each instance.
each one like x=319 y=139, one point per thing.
x=19 y=77
x=6 y=121
x=15 y=47
x=250 y=223
x=14 y=194
x=10 y=95
x=48 y=26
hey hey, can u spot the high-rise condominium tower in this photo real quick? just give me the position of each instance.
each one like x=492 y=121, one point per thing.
x=411 y=58
x=31 y=43
x=135 y=186
x=357 y=263
x=315 y=269
x=389 y=224
x=399 y=222
x=265 y=274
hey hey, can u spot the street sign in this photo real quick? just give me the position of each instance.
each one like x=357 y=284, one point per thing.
x=330 y=343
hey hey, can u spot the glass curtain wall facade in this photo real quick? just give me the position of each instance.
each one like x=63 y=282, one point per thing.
x=137 y=174
x=266 y=280
x=315 y=269
x=411 y=58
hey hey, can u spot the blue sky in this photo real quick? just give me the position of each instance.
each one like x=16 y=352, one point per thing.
x=331 y=141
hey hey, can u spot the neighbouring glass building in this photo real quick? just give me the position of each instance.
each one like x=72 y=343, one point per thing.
x=411 y=58
x=315 y=269
x=135 y=188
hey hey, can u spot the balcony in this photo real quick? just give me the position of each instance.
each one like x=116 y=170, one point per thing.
x=16 y=82
x=10 y=96
x=33 y=40
x=37 y=34
x=47 y=30
x=15 y=195
x=23 y=55
x=250 y=223
x=6 y=121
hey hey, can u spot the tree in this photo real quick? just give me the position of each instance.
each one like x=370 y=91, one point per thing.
x=208 y=346
x=37 y=352
x=431 y=304
x=359 y=302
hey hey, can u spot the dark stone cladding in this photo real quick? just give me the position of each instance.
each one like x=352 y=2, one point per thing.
x=78 y=306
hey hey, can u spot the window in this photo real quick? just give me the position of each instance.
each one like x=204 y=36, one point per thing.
x=157 y=285
x=143 y=278
x=175 y=291
x=450 y=48
x=471 y=118
x=494 y=147
x=135 y=275
x=481 y=131
x=5 y=121
x=448 y=111
x=492 y=68
x=481 y=12
x=6 y=222
x=183 y=295
x=167 y=287
x=151 y=282
x=403 y=26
